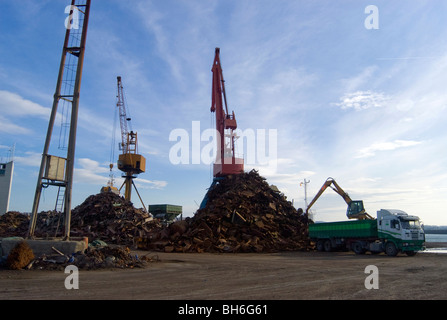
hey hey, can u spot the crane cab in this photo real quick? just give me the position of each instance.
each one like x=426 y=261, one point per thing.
x=355 y=210
x=132 y=163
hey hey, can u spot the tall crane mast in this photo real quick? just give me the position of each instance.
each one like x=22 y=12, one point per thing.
x=129 y=161
x=226 y=161
x=58 y=170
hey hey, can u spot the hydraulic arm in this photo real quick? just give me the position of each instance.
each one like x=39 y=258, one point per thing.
x=355 y=209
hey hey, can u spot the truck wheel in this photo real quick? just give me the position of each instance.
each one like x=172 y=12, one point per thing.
x=320 y=245
x=390 y=249
x=327 y=246
x=358 y=248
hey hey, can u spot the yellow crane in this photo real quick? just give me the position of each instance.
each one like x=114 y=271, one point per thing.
x=129 y=161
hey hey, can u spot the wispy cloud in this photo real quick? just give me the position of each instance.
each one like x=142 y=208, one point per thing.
x=14 y=105
x=31 y=159
x=153 y=21
x=358 y=81
x=8 y=127
x=89 y=172
x=386 y=146
x=361 y=100
x=151 y=184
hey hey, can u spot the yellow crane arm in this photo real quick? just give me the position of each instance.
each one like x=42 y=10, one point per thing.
x=326 y=184
x=355 y=208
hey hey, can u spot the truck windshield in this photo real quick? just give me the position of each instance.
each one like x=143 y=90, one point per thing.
x=410 y=224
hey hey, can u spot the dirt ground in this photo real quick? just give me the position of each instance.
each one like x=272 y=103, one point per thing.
x=275 y=276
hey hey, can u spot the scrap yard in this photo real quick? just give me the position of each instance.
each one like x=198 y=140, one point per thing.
x=247 y=243
x=245 y=240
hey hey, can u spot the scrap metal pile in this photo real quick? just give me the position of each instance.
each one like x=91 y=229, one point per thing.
x=111 y=218
x=104 y=216
x=243 y=214
x=94 y=257
x=13 y=223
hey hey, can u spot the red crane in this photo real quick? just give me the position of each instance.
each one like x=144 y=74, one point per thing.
x=226 y=161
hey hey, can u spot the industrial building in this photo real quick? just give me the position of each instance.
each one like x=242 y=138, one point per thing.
x=6 y=172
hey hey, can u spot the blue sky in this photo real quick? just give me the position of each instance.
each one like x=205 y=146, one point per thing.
x=364 y=106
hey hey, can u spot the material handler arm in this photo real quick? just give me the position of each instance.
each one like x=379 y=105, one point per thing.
x=355 y=208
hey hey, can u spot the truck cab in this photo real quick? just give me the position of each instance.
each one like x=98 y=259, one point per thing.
x=400 y=231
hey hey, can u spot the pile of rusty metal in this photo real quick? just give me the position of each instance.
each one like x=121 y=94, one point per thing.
x=104 y=216
x=16 y=224
x=111 y=218
x=108 y=256
x=94 y=257
x=243 y=213
x=13 y=224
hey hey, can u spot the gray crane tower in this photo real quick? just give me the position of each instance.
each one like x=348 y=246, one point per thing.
x=58 y=170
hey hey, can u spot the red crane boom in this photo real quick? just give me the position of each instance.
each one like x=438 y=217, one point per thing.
x=226 y=161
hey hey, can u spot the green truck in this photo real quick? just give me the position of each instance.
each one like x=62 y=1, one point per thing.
x=392 y=232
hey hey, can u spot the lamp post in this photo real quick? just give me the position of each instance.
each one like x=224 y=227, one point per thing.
x=305 y=183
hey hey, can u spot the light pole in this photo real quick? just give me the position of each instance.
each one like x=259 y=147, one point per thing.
x=305 y=183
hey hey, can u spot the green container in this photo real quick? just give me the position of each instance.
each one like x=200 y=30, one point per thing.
x=344 y=229
x=164 y=209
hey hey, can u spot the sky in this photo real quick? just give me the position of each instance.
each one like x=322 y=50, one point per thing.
x=319 y=88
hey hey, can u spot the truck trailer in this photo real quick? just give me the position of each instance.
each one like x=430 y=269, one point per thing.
x=392 y=232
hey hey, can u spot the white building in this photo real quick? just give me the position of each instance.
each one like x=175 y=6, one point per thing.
x=6 y=171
